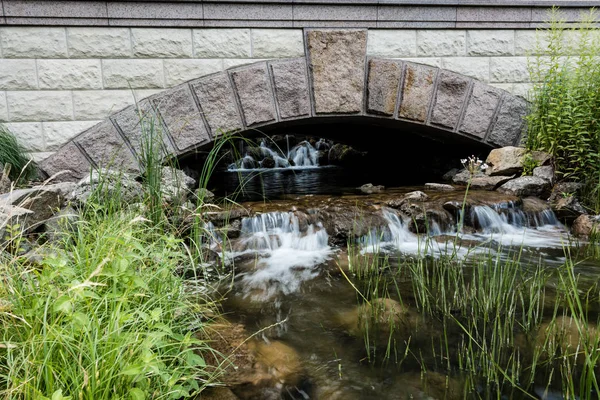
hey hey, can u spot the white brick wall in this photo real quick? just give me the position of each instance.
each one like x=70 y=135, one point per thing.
x=57 y=81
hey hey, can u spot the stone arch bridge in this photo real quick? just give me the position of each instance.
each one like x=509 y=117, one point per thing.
x=335 y=80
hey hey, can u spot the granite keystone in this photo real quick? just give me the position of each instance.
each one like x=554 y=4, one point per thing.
x=291 y=88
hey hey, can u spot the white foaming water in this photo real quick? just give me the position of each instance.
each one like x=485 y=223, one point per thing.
x=510 y=227
x=303 y=155
x=289 y=256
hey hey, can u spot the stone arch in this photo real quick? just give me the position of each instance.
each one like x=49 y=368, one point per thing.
x=335 y=79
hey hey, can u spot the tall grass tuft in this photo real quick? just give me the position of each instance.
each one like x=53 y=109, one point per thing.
x=22 y=167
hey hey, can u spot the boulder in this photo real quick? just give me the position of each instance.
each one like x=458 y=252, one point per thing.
x=417 y=195
x=480 y=180
x=61 y=224
x=447 y=177
x=369 y=188
x=526 y=186
x=267 y=162
x=533 y=205
x=564 y=189
x=585 y=225
x=439 y=187
x=509 y=160
x=567 y=209
x=108 y=185
x=175 y=185
x=205 y=195
x=545 y=172
x=341 y=154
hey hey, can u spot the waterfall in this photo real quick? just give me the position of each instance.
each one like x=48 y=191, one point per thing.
x=302 y=155
x=290 y=252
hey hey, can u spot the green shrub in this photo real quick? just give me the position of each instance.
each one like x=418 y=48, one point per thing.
x=11 y=152
x=565 y=99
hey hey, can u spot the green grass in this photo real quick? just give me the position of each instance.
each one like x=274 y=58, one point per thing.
x=22 y=168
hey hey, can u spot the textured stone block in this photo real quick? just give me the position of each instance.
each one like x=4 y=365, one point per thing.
x=291 y=88
x=179 y=71
x=222 y=43
x=103 y=144
x=530 y=42
x=182 y=118
x=509 y=123
x=59 y=133
x=99 y=104
x=475 y=67
x=69 y=159
x=40 y=105
x=337 y=63
x=92 y=42
x=161 y=42
x=509 y=69
x=417 y=91
x=440 y=43
x=18 y=74
x=29 y=135
x=382 y=87
x=449 y=98
x=139 y=124
x=253 y=90
x=480 y=110
x=33 y=42
x=69 y=74
x=277 y=43
x=3 y=107
x=216 y=98
x=490 y=42
x=126 y=74
x=392 y=43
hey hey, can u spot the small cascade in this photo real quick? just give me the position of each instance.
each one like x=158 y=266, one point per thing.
x=302 y=155
x=502 y=219
x=290 y=252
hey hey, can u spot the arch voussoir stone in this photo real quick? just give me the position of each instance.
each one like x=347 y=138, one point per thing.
x=335 y=78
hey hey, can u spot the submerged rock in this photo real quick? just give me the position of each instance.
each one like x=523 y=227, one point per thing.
x=369 y=188
x=381 y=315
x=440 y=187
x=526 y=186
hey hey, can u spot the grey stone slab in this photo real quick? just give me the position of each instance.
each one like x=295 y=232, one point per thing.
x=493 y=25
x=155 y=22
x=228 y=23
x=68 y=163
x=335 y=24
x=416 y=13
x=416 y=24
x=569 y=14
x=63 y=9
x=334 y=13
x=509 y=123
x=148 y=10
x=180 y=114
x=253 y=91
x=417 y=90
x=139 y=124
x=449 y=98
x=291 y=88
x=382 y=86
x=493 y=14
x=217 y=100
x=103 y=144
x=248 y=11
x=480 y=110
x=56 y=21
x=337 y=65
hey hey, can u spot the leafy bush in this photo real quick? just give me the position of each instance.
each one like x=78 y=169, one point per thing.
x=11 y=152
x=565 y=99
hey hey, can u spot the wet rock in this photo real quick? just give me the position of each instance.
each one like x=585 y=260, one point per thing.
x=107 y=185
x=369 y=188
x=545 y=172
x=322 y=157
x=175 y=185
x=344 y=223
x=417 y=195
x=585 y=225
x=509 y=160
x=344 y=155
x=226 y=216
x=454 y=207
x=440 y=187
x=204 y=195
x=480 y=180
x=567 y=209
x=526 y=186
x=268 y=162
x=534 y=205
x=447 y=177
x=565 y=189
